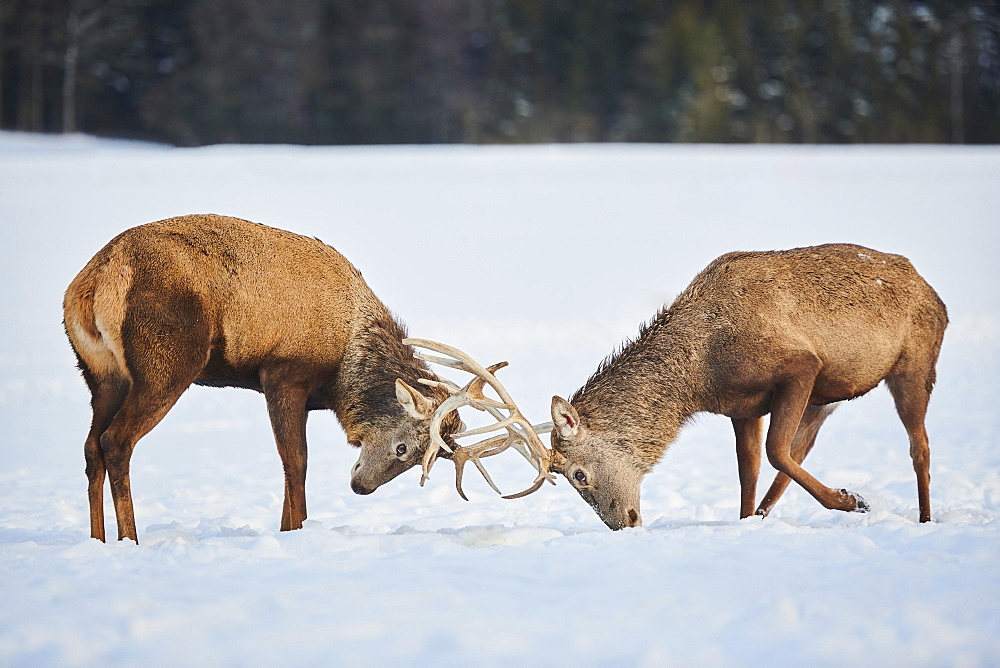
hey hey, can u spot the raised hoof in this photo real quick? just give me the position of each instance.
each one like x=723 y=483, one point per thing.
x=861 y=505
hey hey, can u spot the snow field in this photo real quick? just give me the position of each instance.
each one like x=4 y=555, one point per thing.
x=547 y=257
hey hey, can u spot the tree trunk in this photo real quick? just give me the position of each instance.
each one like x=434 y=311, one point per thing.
x=70 y=58
x=3 y=20
x=955 y=53
x=30 y=99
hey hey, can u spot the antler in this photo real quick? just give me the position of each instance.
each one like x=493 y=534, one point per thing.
x=521 y=434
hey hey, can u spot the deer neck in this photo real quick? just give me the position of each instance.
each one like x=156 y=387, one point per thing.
x=641 y=396
x=374 y=358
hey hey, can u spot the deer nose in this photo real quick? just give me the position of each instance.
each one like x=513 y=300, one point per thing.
x=356 y=484
x=358 y=488
x=633 y=518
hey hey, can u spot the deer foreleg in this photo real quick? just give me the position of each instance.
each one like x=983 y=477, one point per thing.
x=802 y=444
x=788 y=405
x=748 y=445
x=286 y=406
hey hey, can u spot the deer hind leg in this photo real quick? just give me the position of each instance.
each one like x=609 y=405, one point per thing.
x=165 y=349
x=748 y=443
x=286 y=406
x=144 y=406
x=107 y=395
x=788 y=406
x=912 y=393
x=802 y=444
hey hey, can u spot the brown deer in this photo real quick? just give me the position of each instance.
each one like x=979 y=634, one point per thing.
x=786 y=333
x=218 y=301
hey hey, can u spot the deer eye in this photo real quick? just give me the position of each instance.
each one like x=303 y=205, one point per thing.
x=581 y=477
x=401 y=449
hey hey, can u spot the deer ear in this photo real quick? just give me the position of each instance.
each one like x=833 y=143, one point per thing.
x=565 y=418
x=415 y=404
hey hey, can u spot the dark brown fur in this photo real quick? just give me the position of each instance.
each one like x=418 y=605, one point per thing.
x=219 y=301
x=785 y=332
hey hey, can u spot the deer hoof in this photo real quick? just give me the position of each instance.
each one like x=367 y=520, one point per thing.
x=861 y=506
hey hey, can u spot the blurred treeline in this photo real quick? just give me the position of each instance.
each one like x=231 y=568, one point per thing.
x=378 y=71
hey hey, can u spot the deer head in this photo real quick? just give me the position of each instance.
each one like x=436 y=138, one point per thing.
x=394 y=447
x=606 y=477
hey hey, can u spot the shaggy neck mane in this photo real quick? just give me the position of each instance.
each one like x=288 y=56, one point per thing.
x=375 y=358
x=642 y=390
x=613 y=371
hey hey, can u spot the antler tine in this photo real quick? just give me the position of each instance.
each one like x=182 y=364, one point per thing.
x=477 y=384
x=543 y=428
x=437 y=441
x=522 y=435
x=448 y=386
x=467 y=454
x=487 y=448
x=502 y=424
x=539 y=481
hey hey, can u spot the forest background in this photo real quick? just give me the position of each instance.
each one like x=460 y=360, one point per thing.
x=189 y=72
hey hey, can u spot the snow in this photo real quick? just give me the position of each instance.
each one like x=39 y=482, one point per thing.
x=546 y=256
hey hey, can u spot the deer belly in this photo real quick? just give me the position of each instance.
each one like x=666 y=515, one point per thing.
x=832 y=387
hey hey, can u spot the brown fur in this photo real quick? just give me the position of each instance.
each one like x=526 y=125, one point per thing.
x=219 y=301
x=788 y=333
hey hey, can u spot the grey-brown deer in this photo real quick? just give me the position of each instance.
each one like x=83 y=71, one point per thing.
x=219 y=301
x=786 y=333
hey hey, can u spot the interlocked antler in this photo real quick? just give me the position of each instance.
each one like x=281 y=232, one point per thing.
x=521 y=434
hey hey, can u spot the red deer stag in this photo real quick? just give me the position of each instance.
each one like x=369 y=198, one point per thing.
x=224 y=302
x=789 y=333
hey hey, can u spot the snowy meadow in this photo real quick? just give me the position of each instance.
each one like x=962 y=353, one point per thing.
x=548 y=257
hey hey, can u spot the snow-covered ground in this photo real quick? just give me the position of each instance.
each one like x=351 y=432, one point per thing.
x=547 y=257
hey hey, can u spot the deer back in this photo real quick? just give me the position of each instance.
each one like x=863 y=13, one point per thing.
x=856 y=309
x=258 y=292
